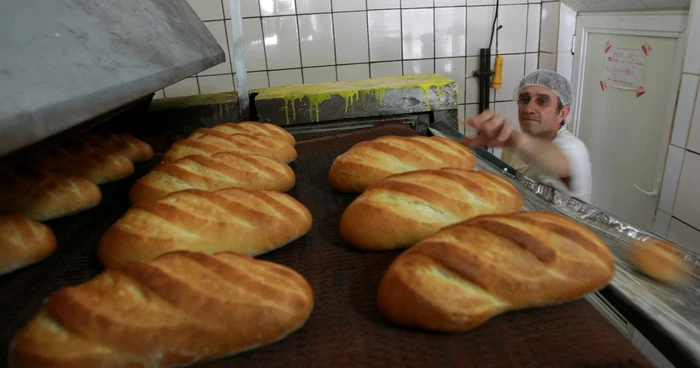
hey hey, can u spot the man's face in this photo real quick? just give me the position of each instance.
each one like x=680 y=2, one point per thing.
x=537 y=111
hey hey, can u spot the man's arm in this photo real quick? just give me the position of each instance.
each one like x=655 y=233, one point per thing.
x=495 y=131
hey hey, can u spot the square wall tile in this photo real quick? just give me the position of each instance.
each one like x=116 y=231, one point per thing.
x=158 y=94
x=479 y=23
x=661 y=222
x=277 y=7
x=450 y=32
x=672 y=172
x=254 y=48
x=683 y=235
x=481 y=2
x=249 y=8
x=687 y=207
x=453 y=68
x=471 y=87
x=185 y=87
x=565 y=64
x=313 y=6
x=207 y=9
x=532 y=43
x=470 y=111
x=684 y=109
x=384 y=34
x=389 y=69
x=319 y=75
x=255 y=80
x=416 y=3
x=425 y=66
x=351 y=44
x=216 y=83
x=280 y=78
x=348 y=5
x=531 y=61
x=567 y=28
x=218 y=30
x=383 y=4
x=352 y=72
x=509 y=110
x=692 y=51
x=450 y=2
x=316 y=34
x=694 y=136
x=548 y=61
x=281 y=42
x=511 y=2
x=460 y=118
x=549 y=27
x=513 y=72
x=511 y=38
x=417 y=25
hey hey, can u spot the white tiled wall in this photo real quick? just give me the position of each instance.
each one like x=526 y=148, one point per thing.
x=311 y=41
x=678 y=214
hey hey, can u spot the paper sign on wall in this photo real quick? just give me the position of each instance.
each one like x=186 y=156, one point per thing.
x=624 y=68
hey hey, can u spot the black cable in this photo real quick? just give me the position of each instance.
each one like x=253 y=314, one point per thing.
x=493 y=27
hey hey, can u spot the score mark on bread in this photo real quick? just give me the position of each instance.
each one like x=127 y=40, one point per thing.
x=371 y=161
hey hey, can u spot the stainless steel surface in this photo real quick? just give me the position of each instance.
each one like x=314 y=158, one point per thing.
x=674 y=310
x=64 y=62
x=239 y=58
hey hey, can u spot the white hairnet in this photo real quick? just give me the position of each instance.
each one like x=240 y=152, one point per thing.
x=548 y=79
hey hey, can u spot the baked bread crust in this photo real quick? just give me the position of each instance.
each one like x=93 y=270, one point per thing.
x=658 y=259
x=371 y=161
x=208 y=142
x=219 y=171
x=402 y=209
x=254 y=128
x=179 y=309
x=43 y=196
x=89 y=161
x=23 y=242
x=238 y=220
x=472 y=271
x=126 y=144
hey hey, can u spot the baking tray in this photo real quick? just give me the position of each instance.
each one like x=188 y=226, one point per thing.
x=345 y=327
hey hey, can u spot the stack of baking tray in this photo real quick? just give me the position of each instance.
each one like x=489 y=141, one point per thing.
x=345 y=327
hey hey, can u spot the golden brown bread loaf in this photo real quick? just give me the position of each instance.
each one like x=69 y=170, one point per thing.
x=472 y=271
x=220 y=171
x=88 y=161
x=402 y=209
x=126 y=144
x=177 y=310
x=658 y=259
x=254 y=128
x=213 y=141
x=368 y=162
x=43 y=196
x=238 y=220
x=23 y=242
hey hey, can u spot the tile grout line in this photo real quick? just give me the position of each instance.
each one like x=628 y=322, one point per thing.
x=301 y=59
x=262 y=33
x=369 y=47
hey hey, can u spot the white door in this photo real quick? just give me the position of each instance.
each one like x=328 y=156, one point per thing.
x=627 y=131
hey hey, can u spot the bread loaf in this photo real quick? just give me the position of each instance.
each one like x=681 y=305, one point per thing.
x=220 y=171
x=211 y=142
x=43 y=196
x=88 y=161
x=402 y=209
x=254 y=128
x=23 y=242
x=126 y=144
x=180 y=309
x=658 y=259
x=472 y=271
x=368 y=162
x=242 y=221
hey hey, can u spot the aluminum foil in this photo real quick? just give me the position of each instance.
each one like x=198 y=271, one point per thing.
x=675 y=310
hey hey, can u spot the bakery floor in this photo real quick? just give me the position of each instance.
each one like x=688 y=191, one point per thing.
x=345 y=327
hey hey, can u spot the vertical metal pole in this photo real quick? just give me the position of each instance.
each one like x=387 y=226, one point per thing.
x=239 y=58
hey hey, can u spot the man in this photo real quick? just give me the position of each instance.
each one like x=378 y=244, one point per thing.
x=542 y=149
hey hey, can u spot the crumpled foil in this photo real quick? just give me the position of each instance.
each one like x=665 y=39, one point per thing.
x=675 y=310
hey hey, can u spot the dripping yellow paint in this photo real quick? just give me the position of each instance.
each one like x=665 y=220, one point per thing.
x=352 y=91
